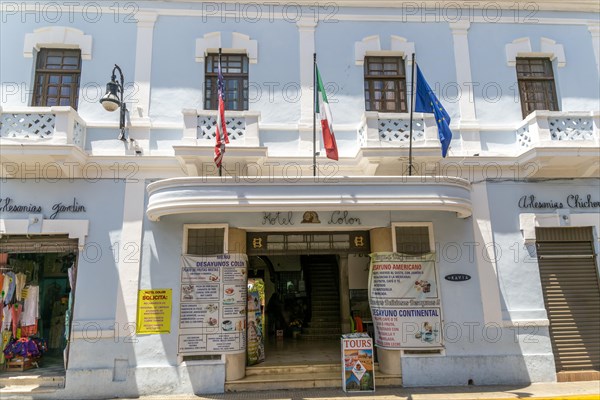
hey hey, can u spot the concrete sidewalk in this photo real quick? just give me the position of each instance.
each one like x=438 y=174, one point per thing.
x=589 y=390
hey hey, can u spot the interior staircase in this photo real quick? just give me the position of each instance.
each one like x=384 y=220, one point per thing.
x=325 y=323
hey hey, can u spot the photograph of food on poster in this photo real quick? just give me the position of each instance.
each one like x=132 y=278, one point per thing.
x=234 y=293
x=200 y=291
x=357 y=363
x=212 y=309
x=404 y=301
x=199 y=315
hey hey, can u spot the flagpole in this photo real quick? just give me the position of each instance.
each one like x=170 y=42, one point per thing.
x=412 y=107
x=314 y=114
x=221 y=165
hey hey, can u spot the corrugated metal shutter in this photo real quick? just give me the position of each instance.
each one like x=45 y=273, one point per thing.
x=571 y=291
x=37 y=244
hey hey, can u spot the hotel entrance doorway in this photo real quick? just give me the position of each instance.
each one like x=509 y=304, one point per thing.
x=303 y=321
x=306 y=294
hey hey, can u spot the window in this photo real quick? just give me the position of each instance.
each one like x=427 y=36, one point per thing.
x=57 y=78
x=385 y=84
x=206 y=241
x=412 y=240
x=536 y=85
x=234 y=68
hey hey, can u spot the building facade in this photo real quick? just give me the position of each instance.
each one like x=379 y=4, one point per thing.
x=514 y=205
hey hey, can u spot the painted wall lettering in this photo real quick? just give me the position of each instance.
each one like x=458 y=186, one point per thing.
x=342 y=218
x=278 y=218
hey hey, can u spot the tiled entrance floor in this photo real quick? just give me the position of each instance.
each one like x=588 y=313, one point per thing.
x=290 y=351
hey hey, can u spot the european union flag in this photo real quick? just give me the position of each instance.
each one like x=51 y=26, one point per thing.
x=426 y=102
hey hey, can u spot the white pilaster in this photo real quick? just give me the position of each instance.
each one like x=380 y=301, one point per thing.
x=594 y=29
x=486 y=259
x=306 y=29
x=143 y=61
x=128 y=256
x=469 y=126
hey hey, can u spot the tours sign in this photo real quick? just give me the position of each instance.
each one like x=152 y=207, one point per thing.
x=212 y=308
x=357 y=363
x=405 y=301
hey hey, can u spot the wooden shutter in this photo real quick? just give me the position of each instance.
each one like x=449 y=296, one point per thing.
x=571 y=292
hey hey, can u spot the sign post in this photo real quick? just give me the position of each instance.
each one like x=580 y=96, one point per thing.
x=358 y=373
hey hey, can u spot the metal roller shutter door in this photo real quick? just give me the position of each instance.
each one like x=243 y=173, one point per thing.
x=570 y=284
x=37 y=244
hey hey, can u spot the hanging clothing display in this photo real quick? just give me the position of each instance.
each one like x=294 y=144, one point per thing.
x=15 y=311
x=20 y=279
x=36 y=297
x=6 y=318
x=9 y=285
x=31 y=309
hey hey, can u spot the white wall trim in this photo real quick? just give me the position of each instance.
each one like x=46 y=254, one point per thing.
x=557 y=51
x=211 y=40
x=516 y=48
x=522 y=48
x=403 y=47
x=561 y=218
x=58 y=37
x=143 y=63
x=240 y=43
x=367 y=44
x=75 y=228
x=462 y=61
x=306 y=46
x=594 y=29
x=129 y=256
x=487 y=267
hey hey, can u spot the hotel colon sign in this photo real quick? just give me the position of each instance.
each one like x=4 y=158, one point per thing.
x=492 y=250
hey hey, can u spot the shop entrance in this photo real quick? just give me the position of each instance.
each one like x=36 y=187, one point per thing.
x=37 y=280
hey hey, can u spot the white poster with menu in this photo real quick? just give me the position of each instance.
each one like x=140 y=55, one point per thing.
x=405 y=301
x=212 y=304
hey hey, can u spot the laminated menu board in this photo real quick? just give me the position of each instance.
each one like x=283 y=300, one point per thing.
x=212 y=304
x=358 y=374
x=405 y=301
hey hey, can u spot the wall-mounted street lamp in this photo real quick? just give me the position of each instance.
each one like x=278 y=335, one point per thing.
x=113 y=99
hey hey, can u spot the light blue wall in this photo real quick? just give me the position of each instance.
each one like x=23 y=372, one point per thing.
x=96 y=291
x=335 y=52
x=112 y=43
x=518 y=273
x=178 y=80
x=497 y=95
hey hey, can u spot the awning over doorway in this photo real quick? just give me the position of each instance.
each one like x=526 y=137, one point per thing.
x=252 y=194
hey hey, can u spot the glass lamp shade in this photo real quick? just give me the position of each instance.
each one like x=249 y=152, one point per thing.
x=110 y=101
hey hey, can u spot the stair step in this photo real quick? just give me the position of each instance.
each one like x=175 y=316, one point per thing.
x=321 y=331
x=321 y=337
x=323 y=324
x=18 y=391
x=32 y=380
x=285 y=381
x=291 y=369
x=312 y=376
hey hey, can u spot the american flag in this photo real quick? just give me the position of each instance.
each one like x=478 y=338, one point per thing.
x=221 y=134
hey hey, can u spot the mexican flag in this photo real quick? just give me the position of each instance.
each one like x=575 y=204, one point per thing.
x=325 y=117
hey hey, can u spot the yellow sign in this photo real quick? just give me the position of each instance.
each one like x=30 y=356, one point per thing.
x=154 y=311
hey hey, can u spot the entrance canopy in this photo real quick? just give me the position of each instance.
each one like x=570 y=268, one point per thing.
x=256 y=194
